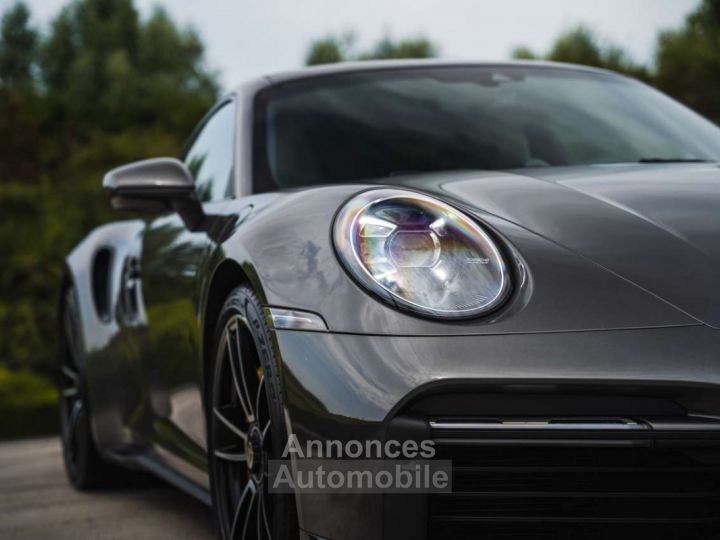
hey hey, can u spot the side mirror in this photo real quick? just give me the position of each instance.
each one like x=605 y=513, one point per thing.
x=156 y=185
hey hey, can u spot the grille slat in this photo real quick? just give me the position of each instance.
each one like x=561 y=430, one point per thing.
x=580 y=520
x=581 y=494
x=593 y=493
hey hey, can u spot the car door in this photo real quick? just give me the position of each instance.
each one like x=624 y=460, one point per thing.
x=171 y=269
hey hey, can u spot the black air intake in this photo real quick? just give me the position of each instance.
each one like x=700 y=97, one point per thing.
x=615 y=485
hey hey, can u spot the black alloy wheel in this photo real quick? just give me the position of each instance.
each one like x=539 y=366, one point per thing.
x=84 y=467
x=245 y=426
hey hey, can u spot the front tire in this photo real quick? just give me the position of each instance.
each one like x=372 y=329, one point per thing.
x=245 y=425
x=84 y=467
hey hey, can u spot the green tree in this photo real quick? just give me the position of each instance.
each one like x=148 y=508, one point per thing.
x=173 y=83
x=523 y=52
x=99 y=87
x=387 y=49
x=105 y=69
x=18 y=46
x=329 y=50
x=581 y=46
x=688 y=60
x=333 y=49
x=20 y=136
x=59 y=51
x=19 y=123
x=577 y=46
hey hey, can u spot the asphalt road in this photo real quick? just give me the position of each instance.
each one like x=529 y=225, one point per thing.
x=36 y=501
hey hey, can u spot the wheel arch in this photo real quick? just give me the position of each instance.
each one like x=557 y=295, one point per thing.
x=228 y=275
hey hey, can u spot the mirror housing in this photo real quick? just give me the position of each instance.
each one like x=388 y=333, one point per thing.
x=156 y=185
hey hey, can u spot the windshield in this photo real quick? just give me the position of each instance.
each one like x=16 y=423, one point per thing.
x=374 y=124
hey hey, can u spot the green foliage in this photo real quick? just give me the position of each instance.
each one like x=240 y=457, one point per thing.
x=18 y=45
x=173 y=85
x=581 y=46
x=328 y=50
x=387 y=49
x=688 y=61
x=20 y=133
x=28 y=404
x=105 y=70
x=101 y=87
x=333 y=49
x=578 y=46
x=23 y=389
x=523 y=53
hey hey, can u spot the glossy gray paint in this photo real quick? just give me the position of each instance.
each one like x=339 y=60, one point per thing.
x=369 y=378
x=614 y=271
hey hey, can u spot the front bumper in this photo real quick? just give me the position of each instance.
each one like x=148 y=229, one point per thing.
x=344 y=386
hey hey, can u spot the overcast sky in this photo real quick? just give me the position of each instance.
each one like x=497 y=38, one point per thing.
x=246 y=38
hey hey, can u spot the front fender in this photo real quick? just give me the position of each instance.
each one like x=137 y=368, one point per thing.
x=285 y=244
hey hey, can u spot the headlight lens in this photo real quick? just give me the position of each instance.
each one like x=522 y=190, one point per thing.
x=421 y=254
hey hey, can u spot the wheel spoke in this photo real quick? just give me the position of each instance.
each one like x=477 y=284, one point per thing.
x=72 y=388
x=239 y=381
x=248 y=516
x=75 y=416
x=69 y=392
x=262 y=518
x=238 y=508
x=249 y=491
x=264 y=431
x=70 y=374
x=232 y=427
x=240 y=405
x=230 y=456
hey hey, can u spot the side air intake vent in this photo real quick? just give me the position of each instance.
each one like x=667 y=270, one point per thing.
x=102 y=265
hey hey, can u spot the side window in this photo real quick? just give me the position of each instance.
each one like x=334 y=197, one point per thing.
x=211 y=156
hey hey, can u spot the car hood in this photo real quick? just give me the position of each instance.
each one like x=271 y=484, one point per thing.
x=657 y=226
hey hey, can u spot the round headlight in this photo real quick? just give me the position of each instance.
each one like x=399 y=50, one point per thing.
x=421 y=254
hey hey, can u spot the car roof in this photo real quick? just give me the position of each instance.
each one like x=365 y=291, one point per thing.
x=381 y=65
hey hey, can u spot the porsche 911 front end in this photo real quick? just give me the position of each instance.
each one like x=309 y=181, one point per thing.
x=551 y=324
x=584 y=406
x=507 y=271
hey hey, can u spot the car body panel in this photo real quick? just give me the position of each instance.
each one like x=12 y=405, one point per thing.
x=293 y=255
x=613 y=291
x=655 y=225
x=343 y=387
x=115 y=378
x=171 y=263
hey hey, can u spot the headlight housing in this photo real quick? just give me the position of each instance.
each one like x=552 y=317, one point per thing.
x=420 y=254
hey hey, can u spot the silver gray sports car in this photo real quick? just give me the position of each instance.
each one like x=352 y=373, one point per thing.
x=517 y=263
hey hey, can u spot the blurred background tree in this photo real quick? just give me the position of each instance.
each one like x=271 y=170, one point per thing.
x=581 y=46
x=19 y=45
x=688 y=61
x=332 y=49
x=101 y=85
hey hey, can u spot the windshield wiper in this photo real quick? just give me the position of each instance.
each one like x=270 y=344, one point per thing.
x=673 y=160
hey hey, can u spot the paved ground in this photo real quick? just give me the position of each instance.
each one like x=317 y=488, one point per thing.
x=37 y=502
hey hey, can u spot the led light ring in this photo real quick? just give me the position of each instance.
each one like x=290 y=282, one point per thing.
x=345 y=228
